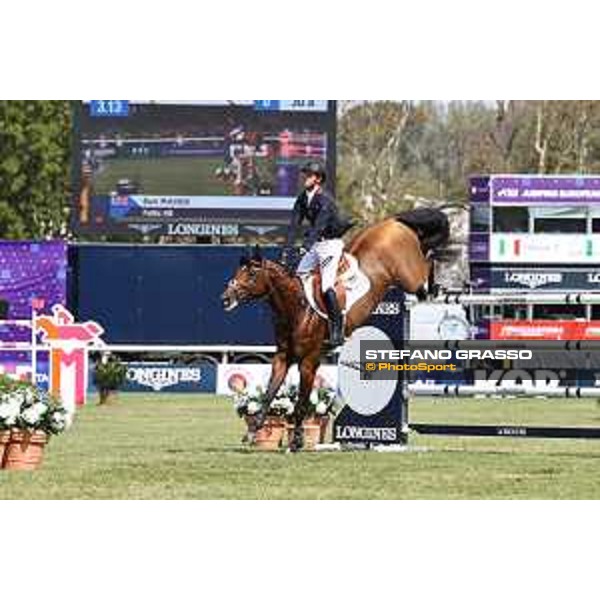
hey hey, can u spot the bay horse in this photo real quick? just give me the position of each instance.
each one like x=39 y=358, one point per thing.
x=395 y=251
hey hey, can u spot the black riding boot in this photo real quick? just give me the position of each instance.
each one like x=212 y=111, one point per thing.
x=336 y=319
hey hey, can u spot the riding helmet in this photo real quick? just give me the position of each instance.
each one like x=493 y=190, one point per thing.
x=315 y=168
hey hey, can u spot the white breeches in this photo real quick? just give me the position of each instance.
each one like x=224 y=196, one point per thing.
x=326 y=255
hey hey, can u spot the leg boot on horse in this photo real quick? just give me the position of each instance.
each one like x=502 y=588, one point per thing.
x=297 y=441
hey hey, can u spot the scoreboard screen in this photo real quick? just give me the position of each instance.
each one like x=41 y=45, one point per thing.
x=225 y=168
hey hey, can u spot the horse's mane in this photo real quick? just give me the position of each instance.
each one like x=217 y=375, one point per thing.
x=273 y=265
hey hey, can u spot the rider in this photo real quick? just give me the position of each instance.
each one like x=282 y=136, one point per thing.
x=322 y=244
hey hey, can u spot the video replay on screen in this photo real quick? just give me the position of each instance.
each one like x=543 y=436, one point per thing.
x=180 y=168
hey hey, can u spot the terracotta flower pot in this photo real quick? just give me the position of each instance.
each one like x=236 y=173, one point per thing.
x=4 y=439
x=312 y=433
x=25 y=450
x=323 y=423
x=270 y=435
x=324 y=428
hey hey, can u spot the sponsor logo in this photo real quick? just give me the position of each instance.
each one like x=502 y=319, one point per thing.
x=261 y=230
x=512 y=431
x=454 y=327
x=533 y=280
x=388 y=308
x=367 y=434
x=203 y=229
x=145 y=228
x=159 y=378
x=593 y=277
x=531 y=331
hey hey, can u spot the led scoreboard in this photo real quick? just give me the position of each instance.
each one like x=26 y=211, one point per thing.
x=226 y=168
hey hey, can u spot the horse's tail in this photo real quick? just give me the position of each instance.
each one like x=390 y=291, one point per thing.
x=431 y=226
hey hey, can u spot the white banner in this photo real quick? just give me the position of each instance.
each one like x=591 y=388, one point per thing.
x=546 y=248
x=248 y=378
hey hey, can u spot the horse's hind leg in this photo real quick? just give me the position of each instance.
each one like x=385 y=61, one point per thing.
x=308 y=370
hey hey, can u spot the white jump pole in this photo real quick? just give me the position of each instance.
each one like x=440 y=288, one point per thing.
x=459 y=391
x=466 y=299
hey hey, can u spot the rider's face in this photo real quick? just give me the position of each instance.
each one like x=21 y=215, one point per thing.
x=310 y=181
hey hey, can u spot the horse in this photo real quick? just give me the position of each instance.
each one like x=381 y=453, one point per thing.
x=396 y=251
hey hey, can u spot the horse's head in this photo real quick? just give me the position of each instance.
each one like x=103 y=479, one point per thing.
x=250 y=282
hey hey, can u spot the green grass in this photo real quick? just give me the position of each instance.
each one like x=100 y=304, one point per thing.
x=184 y=176
x=161 y=447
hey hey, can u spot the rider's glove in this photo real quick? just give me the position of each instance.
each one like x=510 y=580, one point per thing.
x=286 y=256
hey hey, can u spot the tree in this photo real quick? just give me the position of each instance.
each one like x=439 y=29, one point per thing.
x=35 y=146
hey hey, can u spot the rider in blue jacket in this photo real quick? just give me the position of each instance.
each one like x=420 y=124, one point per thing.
x=322 y=245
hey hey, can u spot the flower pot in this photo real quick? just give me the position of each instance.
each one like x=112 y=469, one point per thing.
x=25 y=450
x=270 y=435
x=323 y=423
x=312 y=433
x=324 y=428
x=4 y=439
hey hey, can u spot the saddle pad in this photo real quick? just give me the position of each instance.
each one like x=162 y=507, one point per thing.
x=356 y=284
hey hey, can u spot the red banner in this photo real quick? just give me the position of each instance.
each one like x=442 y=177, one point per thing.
x=545 y=330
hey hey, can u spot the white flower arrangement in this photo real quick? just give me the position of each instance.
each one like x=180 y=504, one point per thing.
x=10 y=409
x=26 y=407
x=322 y=402
x=251 y=404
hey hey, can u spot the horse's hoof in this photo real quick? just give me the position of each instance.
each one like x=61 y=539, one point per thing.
x=297 y=442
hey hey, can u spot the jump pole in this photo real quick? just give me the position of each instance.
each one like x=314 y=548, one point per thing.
x=514 y=431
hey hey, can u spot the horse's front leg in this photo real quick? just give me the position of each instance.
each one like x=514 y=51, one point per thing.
x=279 y=370
x=308 y=370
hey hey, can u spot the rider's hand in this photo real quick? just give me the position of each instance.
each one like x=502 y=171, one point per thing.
x=286 y=256
x=302 y=251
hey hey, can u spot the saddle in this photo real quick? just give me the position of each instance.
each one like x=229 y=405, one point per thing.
x=351 y=285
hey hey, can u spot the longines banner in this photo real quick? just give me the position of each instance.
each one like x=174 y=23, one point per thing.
x=524 y=278
x=196 y=378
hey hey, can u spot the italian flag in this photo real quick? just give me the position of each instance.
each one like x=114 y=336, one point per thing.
x=516 y=247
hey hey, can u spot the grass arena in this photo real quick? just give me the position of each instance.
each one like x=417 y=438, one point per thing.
x=178 y=447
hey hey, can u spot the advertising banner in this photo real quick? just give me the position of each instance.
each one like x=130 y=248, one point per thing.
x=20 y=369
x=545 y=330
x=501 y=278
x=532 y=190
x=232 y=379
x=30 y=271
x=544 y=248
x=162 y=377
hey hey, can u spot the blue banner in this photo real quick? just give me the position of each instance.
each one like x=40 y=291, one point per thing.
x=196 y=378
x=164 y=377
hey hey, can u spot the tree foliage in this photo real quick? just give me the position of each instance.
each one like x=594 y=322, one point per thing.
x=395 y=153
x=35 y=141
